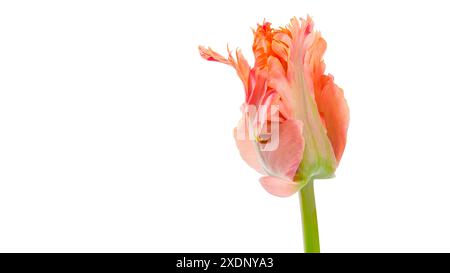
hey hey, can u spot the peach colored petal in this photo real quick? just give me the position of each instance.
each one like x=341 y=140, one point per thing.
x=299 y=31
x=285 y=159
x=314 y=61
x=247 y=147
x=279 y=187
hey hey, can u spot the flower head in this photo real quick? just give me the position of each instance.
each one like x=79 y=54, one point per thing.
x=295 y=118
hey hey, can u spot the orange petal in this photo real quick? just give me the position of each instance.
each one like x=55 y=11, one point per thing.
x=334 y=110
x=242 y=67
x=329 y=97
x=277 y=77
x=262 y=47
x=279 y=187
x=240 y=64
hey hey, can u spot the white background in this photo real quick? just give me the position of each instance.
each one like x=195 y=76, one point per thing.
x=116 y=136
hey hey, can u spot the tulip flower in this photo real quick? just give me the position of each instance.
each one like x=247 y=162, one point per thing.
x=294 y=118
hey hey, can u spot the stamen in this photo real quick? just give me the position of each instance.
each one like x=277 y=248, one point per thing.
x=263 y=138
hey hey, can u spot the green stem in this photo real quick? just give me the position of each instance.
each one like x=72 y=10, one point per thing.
x=309 y=219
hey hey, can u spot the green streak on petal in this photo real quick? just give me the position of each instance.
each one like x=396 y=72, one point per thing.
x=318 y=160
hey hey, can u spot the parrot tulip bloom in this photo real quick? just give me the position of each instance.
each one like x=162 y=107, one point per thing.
x=305 y=137
x=313 y=115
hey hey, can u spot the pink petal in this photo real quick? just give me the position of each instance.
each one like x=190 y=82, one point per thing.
x=279 y=187
x=285 y=159
x=247 y=148
x=211 y=55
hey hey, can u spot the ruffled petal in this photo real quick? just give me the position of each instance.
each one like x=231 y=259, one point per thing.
x=319 y=161
x=315 y=63
x=277 y=77
x=281 y=43
x=278 y=186
x=211 y=55
x=300 y=31
x=262 y=45
x=240 y=64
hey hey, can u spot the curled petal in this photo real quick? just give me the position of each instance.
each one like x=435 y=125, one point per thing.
x=211 y=55
x=240 y=64
x=281 y=49
x=278 y=186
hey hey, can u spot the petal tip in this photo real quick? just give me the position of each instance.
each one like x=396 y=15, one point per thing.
x=279 y=187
